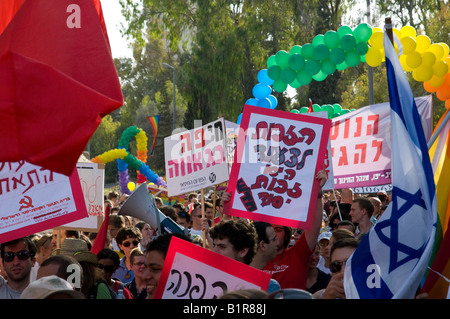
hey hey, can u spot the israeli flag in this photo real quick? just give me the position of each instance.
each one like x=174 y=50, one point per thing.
x=392 y=258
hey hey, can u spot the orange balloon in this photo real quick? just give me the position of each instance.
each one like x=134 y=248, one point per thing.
x=429 y=88
x=443 y=93
x=447 y=104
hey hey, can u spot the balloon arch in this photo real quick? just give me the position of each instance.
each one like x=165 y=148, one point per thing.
x=338 y=50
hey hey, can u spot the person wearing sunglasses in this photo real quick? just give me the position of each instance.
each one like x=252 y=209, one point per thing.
x=339 y=254
x=18 y=258
x=127 y=239
x=108 y=262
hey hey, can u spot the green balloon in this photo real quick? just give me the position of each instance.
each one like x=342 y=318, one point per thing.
x=303 y=77
x=342 y=66
x=363 y=32
x=352 y=59
x=329 y=109
x=287 y=75
x=296 y=62
x=318 y=39
x=312 y=66
x=274 y=72
x=304 y=109
x=331 y=39
x=361 y=48
x=317 y=108
x=343 y=30
x=321 y=52
x=308 y=51
x=271 y=61
x=296 y=49
x=295 y=111
x=328 y=67
x=320 y=76
x=337 y=108
x=295 y=84
x=282 y=58
x=279 y=86
x=337 y=56
x=345 y=111
x=348 y=42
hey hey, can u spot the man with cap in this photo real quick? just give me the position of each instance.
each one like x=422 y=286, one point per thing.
x=322 y=242
x=51 y=287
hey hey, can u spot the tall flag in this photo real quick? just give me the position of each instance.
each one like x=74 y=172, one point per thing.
x=436 y=285
x=57 y=81
x=154 y=123
x=391 y=259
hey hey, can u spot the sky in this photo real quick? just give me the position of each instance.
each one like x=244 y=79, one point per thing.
x=113 y=18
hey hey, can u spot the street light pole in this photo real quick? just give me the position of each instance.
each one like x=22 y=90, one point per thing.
x=174 y=95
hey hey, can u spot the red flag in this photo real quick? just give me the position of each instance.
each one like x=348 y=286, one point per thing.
x=57 y=79
x=100 y=240
x=310 y=110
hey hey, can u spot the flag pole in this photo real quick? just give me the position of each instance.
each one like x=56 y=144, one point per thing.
x=203 y=215
x=438 y=130
x=388 y=26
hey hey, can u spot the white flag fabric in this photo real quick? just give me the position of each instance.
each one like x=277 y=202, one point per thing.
x=392 y=258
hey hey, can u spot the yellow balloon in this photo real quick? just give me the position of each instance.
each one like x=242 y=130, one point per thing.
x=376 y=40
x=436 y=81
x=438 y=50
x=423 y=43
x=397 y=32
x=131 y=186
x=408 y=31
x=422 y=73
x=405 y=65
x=428 y=58
x=414 y=60
x=409 y=44
x=446 y=48
x=373 y=57
x=440 y=69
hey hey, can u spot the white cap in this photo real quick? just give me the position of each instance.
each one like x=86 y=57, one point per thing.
x=324 y=235
x=46 y=286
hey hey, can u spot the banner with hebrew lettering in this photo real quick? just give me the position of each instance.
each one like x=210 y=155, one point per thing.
x=273 y=175
x=361 y=144
x=34 y=199
x=196 y=159
x=193 y=272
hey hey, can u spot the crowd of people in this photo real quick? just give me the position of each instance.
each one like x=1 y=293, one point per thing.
x=302 y=263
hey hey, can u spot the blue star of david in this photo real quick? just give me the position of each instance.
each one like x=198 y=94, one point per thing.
x=392 y=241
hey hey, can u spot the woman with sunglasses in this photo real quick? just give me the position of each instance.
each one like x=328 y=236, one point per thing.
x=127 y=239
x=108 y=262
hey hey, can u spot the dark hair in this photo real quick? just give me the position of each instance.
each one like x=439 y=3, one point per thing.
x=126 y=232
x=73 y=234
x=365 y=203
x=162 y=242
x=347 y=222
x=346 y=242
x=108 y=253
x=241 y=235
x=169 y=211
x=185 y=215
x=260 y=228
x=28 y=241
x=64 y=261
x=116 y=221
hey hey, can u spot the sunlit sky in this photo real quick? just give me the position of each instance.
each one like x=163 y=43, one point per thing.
x=113 y=19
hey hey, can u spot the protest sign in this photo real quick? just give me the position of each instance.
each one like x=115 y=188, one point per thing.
x=34 y=199
x=92 y=177
x=361 y=144
x=232 y=131
x=192 y=272
x=277 y=157
x=196 y=159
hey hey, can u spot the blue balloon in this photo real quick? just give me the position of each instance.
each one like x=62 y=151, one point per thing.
x=253 y=102
x=263 y=77
x=265 y=103
x=273 y=100
x=239 y=119
x=260 y=91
